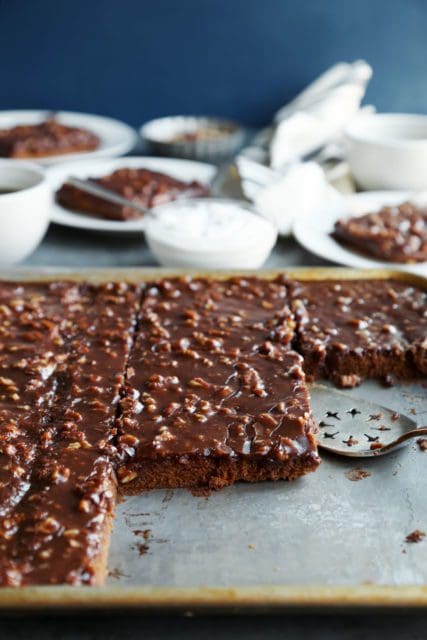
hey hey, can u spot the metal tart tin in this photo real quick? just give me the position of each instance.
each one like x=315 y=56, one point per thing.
x=193 y=137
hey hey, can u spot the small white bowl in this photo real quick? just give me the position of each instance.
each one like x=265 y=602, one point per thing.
x=209 y=233
x=388 y=151
x=24 y=211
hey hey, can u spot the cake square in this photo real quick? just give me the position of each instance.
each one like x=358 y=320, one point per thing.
x=393 y=234
x=349 y=330
x=214 y=392
x=147 y=188
x=49 y=138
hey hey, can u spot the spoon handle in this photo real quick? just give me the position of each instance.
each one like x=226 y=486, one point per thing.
x=414 y=433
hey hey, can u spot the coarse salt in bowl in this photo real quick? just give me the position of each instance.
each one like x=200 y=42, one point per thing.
x=209 y=233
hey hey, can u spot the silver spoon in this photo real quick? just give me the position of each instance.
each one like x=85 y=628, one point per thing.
x=350 y=426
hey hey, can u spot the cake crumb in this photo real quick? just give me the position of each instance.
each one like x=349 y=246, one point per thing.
x=145 y=533
x=251 y=546
x=348 y=381
x=142 y=548
x=415 y=536
x=201 y=492
x=389 y=380
x=117 y=574
x=422 y=444
x=357 y=474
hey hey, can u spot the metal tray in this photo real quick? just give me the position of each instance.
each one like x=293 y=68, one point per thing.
x=320 y=542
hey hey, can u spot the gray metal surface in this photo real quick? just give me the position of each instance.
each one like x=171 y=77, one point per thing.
x=324 y=529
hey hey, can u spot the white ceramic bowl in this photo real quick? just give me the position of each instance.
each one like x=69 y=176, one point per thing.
x=209 y=233
x=24 y=212
x=388 y=151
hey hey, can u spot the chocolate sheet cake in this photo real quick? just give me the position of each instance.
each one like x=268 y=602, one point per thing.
x=146 y=187
x=393 y=234
x=180 y=382
x=49 y=138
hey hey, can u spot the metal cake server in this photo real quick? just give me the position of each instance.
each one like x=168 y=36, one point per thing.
x=94 y=189
x=354 y=427
x=105 y=194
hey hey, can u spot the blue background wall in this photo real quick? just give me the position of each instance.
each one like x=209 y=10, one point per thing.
x=136 y=59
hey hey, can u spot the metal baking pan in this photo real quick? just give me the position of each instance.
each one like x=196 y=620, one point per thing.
x=320 y=542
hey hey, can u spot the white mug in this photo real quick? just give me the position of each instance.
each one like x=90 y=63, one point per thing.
x=25 y=200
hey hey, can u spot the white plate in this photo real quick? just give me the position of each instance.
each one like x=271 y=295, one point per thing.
x=313 y=231
x=116 y=138
x=185 y=170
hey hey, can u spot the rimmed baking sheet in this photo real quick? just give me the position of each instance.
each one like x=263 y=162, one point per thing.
x=323 y=541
